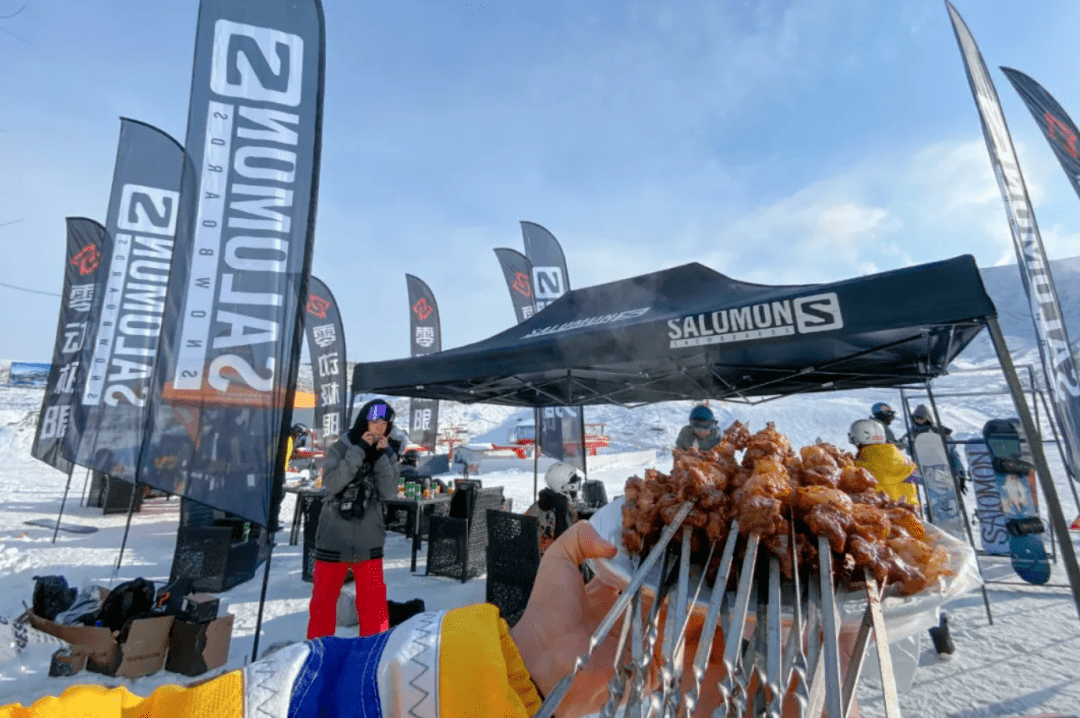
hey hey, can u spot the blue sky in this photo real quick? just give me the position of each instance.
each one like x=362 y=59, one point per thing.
x=778 y=142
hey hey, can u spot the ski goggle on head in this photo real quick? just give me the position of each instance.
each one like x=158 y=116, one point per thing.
x=377 y=411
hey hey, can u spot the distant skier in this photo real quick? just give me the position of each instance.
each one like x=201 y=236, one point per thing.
x=894 y=473
x=884 y=415
x=701 y=433
x=896 y=477
x=922 y=422
x=555 y=505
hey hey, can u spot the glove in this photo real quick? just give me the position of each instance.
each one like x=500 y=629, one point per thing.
x=371 y=453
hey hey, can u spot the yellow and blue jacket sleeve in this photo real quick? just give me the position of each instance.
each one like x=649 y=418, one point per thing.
x=435 y=665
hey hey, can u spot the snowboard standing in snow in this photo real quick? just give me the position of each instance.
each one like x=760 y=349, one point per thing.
x=1014 y=479
x=994 y=536
x=944 y=506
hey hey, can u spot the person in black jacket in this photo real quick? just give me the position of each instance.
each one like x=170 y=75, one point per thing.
x=360 y=470
x=884 y=414
x=921 y=422
x=701 y=433
x=554 y=506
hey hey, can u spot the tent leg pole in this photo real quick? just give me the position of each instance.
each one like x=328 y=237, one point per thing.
x=63 y=501
x=262 y=595
x=1053 y=504
x=536 y=450
x=907 y=422
x=85 y=483
x=127 y=529
x=584 y=449
x=960 y=501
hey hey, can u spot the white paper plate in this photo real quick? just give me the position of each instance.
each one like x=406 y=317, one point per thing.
x=904 y=615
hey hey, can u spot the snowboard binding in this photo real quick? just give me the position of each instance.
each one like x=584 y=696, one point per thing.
x=1010 y=465
x=1025 y=526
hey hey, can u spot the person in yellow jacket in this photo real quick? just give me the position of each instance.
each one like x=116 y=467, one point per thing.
x=895 y=474
x=462 y=662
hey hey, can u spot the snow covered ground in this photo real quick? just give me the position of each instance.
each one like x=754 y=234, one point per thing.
x=1025 y=663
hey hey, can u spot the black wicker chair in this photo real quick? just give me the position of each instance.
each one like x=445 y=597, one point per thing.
x=311 y=506
x=396 y=518
x=593 y=493
x=210 y=552
x=117 y=496
x=96 y=495
x=513 y=557
x=457 y=543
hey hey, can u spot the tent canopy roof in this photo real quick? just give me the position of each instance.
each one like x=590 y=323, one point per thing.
x=691 y=332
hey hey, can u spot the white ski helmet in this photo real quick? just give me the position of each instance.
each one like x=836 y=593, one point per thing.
x=564 y=478
x=866 y=431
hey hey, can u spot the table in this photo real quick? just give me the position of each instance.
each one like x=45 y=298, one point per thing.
x=302 y=492
x=415 y=508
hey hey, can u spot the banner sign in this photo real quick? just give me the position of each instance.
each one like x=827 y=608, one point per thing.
x=1058 y=128
x=561 y=429
x=1054 y=349
x=110 y=415
x=24 y=374
x=425 y=337
x=326 y=343
x=83 y=280
x=518 y=274
x=233 y=330
x=550 y=279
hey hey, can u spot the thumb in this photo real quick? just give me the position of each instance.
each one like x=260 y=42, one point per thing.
x=581 y=541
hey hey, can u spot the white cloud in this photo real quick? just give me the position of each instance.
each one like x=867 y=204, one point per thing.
x=1059 y=242
x=937 y=202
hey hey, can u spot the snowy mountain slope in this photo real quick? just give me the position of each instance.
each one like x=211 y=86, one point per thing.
x=1014 y=313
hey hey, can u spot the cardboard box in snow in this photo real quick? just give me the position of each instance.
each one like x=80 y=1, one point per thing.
x=141 y=654
x=195 y=648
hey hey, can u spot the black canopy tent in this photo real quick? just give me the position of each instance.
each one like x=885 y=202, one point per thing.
x=692 y=333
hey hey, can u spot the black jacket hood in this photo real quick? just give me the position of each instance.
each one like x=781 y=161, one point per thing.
x=360 y=427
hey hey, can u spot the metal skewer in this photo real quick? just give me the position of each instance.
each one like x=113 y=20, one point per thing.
x=623 y=671
x=854 y=667
x=701 y=658
x=831 y=647
x=547 y=709
x=731 y=688
x=637 y=649
x=773 y=656
x=671 y=665
x=677 y=701
x=651 y=706
x=638 y=703
x=795 y=657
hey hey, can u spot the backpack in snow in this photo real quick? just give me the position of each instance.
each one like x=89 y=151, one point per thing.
x=51 y=596
x=126 y=601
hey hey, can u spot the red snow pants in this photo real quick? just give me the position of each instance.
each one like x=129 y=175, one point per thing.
x=329 y=577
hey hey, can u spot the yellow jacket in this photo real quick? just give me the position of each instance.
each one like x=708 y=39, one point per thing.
x=894 y=473
x=453 y=663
